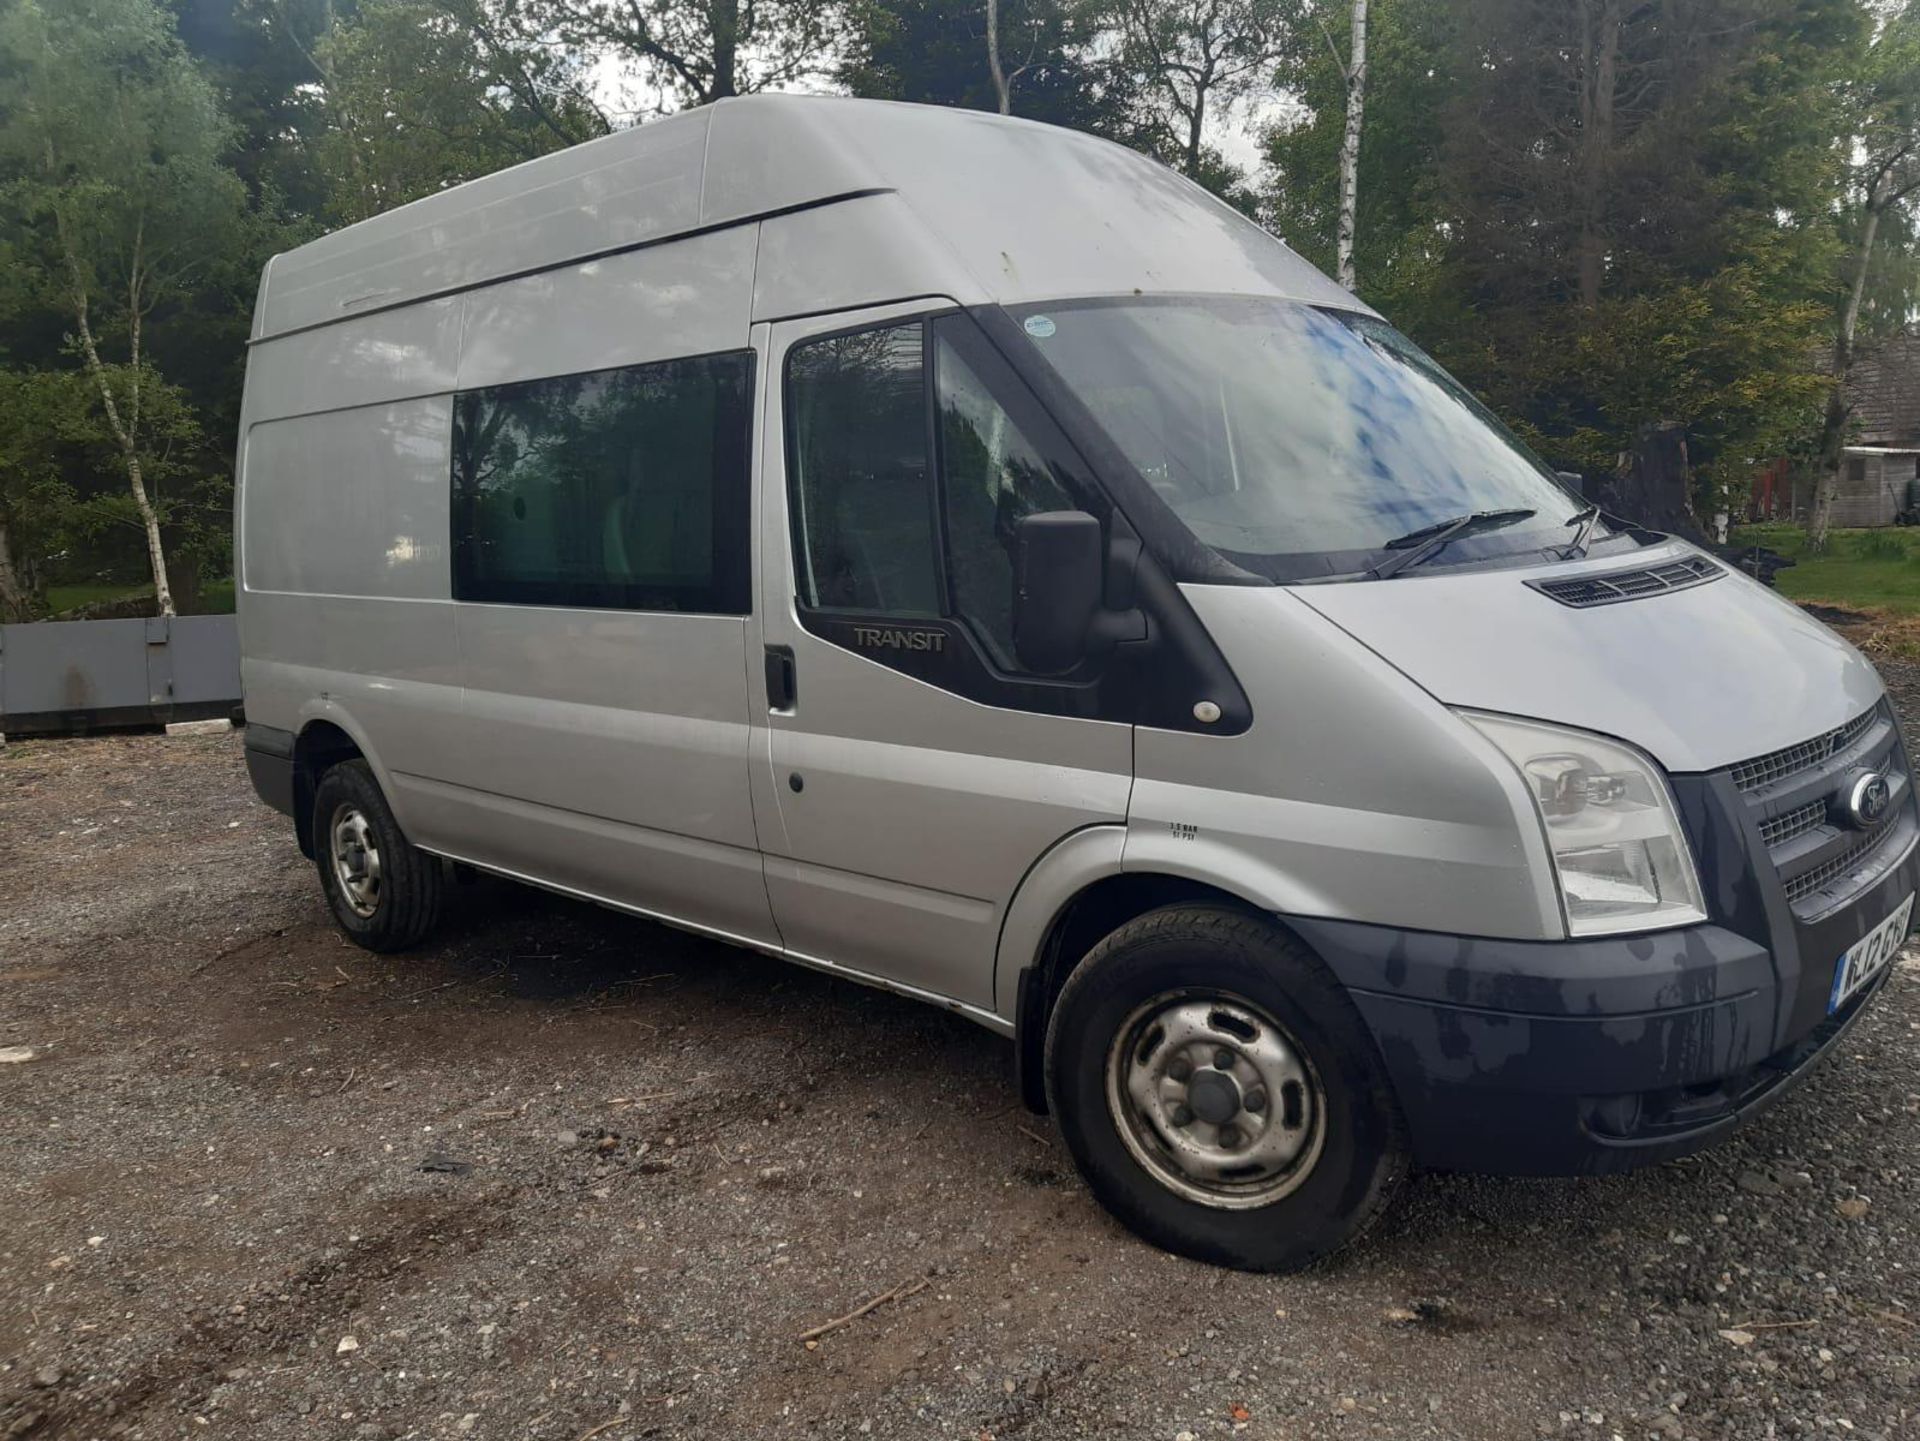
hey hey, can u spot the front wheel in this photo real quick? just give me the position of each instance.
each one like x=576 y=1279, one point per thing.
x=1220 y=1093
x=384 y=893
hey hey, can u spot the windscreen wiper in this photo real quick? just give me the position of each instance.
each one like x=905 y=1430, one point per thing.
x=1586 y=519
x=1423 y=544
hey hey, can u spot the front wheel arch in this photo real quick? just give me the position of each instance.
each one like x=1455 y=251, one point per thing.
x=1092 y=914
x=1263 y=993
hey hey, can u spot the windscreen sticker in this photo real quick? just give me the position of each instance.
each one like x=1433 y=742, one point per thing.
x=1039 y=326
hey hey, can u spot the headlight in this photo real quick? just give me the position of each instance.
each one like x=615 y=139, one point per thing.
x=1618 y=852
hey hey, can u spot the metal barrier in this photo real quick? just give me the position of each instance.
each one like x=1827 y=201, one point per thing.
x=64 y=677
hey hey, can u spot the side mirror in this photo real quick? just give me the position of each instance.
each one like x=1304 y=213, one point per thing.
x=1058 y=571
x=1573 y=480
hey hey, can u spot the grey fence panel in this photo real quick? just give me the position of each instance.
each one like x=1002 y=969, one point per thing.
x=206 y=660
x=60 y=677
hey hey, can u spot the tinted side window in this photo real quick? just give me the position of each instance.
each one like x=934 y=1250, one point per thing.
x=991 y=476
x=862 y=485
x=619 y=489
x=904 y=492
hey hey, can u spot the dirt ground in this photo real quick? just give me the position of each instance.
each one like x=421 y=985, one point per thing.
x=565 y=1174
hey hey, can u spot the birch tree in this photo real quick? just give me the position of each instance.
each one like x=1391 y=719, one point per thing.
x=1353 y=73
x=1884 y=181
x=116 y=200
x=1000 y=87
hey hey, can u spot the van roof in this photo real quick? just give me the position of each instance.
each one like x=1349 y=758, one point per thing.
x=1005 y=209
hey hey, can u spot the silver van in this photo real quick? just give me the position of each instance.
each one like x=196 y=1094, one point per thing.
x=963 y=556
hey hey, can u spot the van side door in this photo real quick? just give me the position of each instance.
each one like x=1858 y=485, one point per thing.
x=602 y=526
x=912 y=770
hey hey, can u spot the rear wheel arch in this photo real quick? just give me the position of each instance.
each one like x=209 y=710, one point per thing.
x=320 y=745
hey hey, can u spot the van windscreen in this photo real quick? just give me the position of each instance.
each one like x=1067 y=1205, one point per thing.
x=1295 y=441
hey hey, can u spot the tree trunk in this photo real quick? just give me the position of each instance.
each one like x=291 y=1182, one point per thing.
x=993 y=58
x=726 y=49
x=1833 y=425
x=162 y=591
x=1350 y=144
x=15 y=602
x=1196 y=123
x=1600 y=67
x=1651 y=483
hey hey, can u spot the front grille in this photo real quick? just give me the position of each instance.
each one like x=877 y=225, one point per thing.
x=1776 y=766
x=1582 y=591
x=1809 y=883
x=1795 y=795
x=1794 y=824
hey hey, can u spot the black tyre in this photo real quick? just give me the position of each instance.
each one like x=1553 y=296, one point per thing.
x=1220 y=1093
x=385 y=894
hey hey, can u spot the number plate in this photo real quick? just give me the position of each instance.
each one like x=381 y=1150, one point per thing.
x=1869 y=956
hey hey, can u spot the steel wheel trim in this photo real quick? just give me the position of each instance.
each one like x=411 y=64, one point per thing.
x=354 y=850
x=1215 y=1099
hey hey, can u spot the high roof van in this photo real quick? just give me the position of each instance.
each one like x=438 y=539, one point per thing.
x=963 y=556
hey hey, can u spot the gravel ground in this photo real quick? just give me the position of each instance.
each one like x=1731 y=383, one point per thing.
x=565 y=1174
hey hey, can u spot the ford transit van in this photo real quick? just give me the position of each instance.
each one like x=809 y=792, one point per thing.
x=964 y=556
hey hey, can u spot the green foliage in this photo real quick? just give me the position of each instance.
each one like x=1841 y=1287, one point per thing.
x=40 y=413
x=1598 y=216
x=111 y=178
x=1410 y=80
x=116 y=210
x=1878 y=545
x=933 y=52
x=423 y=94
x=1881 y=99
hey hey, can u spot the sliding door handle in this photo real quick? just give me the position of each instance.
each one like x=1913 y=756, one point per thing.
x=783 y=685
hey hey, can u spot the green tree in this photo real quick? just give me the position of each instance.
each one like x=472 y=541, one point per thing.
x=116 y=200
x=934 y=52
x=1880 y=207
x=699 y=51
x=1599 y=215
x=40 y=412
x=257 y=55
x=423 y=94
x=1196 y=60
x=1398 y=238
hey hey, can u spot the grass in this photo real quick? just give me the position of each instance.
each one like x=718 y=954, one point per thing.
x=63 y=598
x=216 y=597
x=1861 y=570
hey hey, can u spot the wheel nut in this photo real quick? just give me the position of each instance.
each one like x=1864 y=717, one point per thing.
x=1182 y=1116
x=1255 y=1101
x=1180 y=1068
x=1229 y=1136
x=1223 y=1059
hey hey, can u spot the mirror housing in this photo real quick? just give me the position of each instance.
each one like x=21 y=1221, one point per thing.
x=1058 y=588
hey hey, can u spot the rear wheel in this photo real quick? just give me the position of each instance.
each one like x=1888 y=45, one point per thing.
x=1220 y=1093
x=384 y=893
